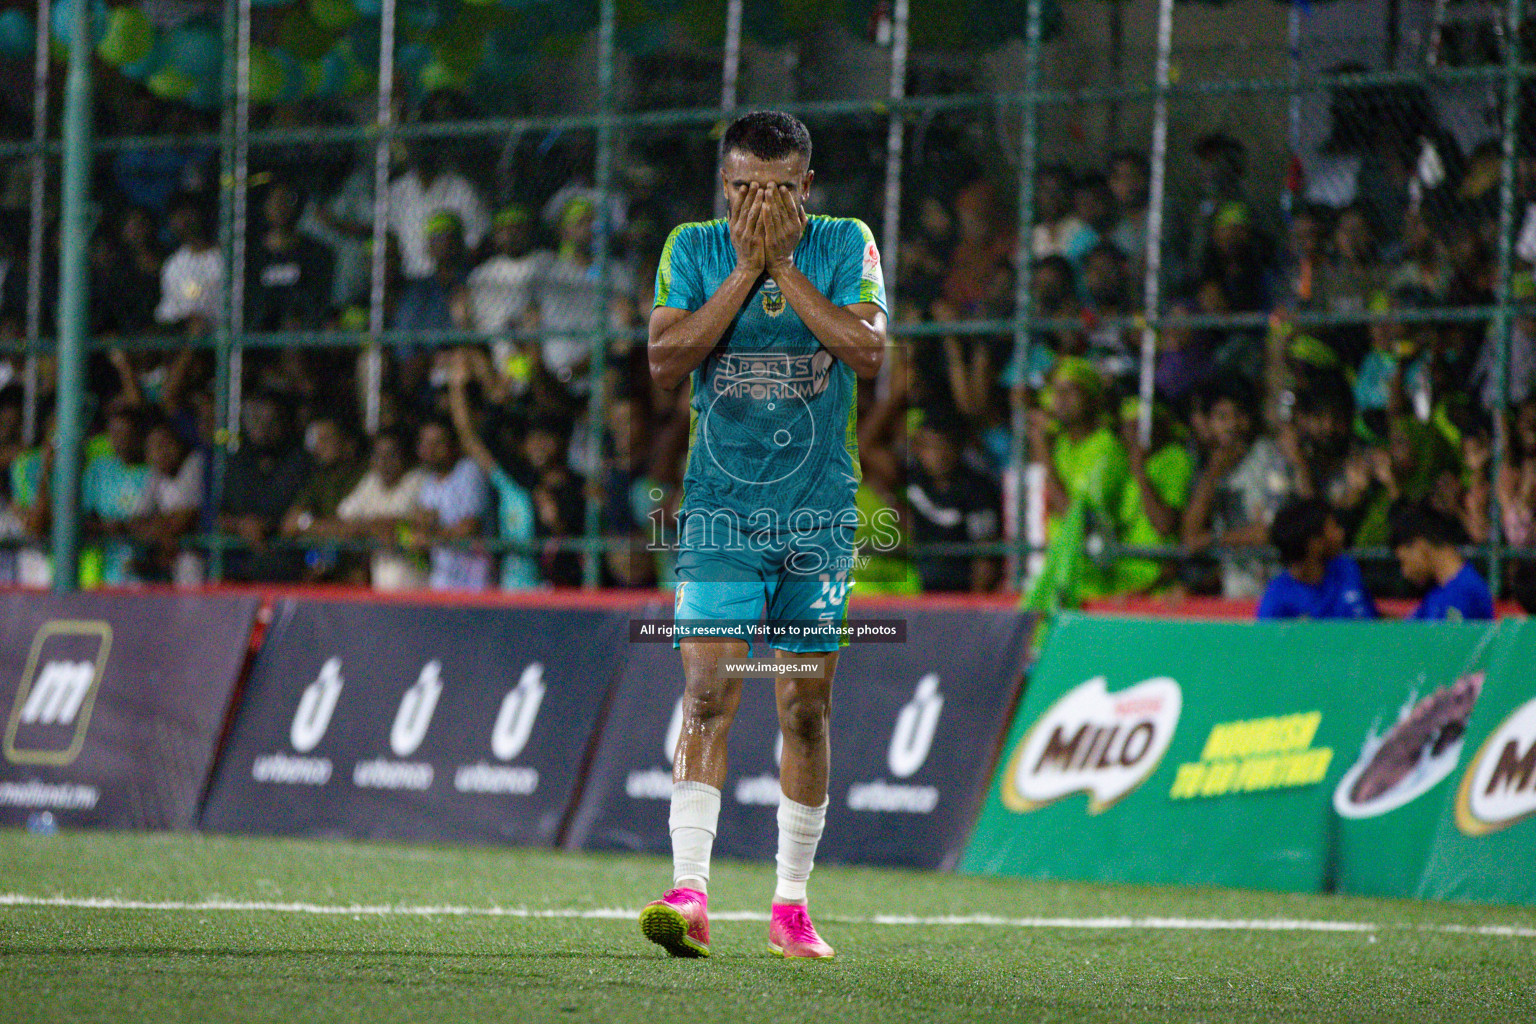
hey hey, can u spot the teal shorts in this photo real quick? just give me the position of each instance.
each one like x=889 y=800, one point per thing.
x=727 y=581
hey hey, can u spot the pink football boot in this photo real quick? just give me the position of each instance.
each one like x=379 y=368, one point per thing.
x=678 y=922
x=791 y=934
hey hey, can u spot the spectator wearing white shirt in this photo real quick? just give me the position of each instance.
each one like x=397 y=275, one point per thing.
x=191 y=281
x=386 y=499
x=453 y=504
x=430 y=187
x=169 y=506
x=569 y=298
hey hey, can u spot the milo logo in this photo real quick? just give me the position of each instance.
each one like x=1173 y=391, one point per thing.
x=1095 y=742
x=1499 y=787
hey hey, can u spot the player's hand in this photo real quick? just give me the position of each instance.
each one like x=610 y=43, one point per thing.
x=746 y=230
x=784 y=222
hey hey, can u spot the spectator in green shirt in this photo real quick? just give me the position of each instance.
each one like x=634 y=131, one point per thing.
x=1161 y=475
x=111 y=491
x=1086 y=468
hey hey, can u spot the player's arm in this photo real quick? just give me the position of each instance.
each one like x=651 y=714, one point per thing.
x=680 y=339
x=855 y=334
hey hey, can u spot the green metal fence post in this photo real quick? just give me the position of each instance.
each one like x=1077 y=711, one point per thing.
x=591 y=558
x=1029 y=143
x=1504 y=320
x=37 y=226
x=74 y=301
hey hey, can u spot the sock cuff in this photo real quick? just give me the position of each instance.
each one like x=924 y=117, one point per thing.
x=802 y=818
x=694 y=805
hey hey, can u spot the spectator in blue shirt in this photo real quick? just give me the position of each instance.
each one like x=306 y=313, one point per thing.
x=1318 y=581
x=1425 y=540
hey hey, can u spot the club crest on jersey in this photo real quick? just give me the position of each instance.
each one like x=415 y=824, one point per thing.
x=773 y=299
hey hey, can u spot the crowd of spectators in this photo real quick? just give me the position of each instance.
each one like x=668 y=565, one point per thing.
x=486 y=466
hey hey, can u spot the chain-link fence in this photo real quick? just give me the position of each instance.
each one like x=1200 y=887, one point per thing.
x=368 y=281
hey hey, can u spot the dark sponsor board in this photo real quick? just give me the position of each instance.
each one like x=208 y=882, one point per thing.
x=114 y=704
x=914 y=725
x=423 y=723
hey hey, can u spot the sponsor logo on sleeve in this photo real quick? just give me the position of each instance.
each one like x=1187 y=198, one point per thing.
x=1499 y=787
x=52 y=710
x=870 y=270
x=1095 y=742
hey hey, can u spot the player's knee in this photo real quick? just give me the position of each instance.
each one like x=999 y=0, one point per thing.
x=708 y=704
x=804 y=710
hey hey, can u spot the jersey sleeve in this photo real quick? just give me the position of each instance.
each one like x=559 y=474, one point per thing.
x=858 y=277
x=679 y=285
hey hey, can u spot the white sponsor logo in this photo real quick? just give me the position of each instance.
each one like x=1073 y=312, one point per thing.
x=57 y=694
x=285 y=769
x=758 y=791
x=519 y=710
x=64 y=796
x=656 y=783
x=1095 y=742
x=763 y=790
x=915 y=727
x=911 y=741
x=674 y=730
x=386 y=774
x=770 y=376
x=315 y=708
x=514 y=780
x=1499 y=787
x=416 y=707
x=891 y=797
x=650 y=784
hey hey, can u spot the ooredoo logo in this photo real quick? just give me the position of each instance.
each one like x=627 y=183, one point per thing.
x=1095 y=742
x=1499 y=787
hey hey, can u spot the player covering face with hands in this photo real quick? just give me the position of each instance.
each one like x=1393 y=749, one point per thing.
x=772 y=316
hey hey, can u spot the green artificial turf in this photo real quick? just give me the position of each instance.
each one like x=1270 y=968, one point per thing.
x=290 y=965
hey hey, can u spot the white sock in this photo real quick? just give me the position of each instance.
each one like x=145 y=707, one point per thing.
x=695 y=817
x=800 y=828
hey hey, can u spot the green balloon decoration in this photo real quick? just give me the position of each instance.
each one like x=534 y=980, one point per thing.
x=18 y=36
x=63 y=22
x=437 y=76
x=128 y=39
x=265 y=80
x=304 y=37
x=334 y=15
x=170 y=83
x=140 y=70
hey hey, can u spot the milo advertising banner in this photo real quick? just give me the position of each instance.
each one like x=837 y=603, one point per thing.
x=1300 y=756
x=1484 y=842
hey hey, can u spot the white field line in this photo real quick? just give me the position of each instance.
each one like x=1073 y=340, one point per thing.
x=625 y=913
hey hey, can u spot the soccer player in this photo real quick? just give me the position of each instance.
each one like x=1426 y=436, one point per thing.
x=1424 y=540
x=772 y=315
x=1319 y=581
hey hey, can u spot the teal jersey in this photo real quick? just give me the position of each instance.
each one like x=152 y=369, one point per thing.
x=772 y=429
